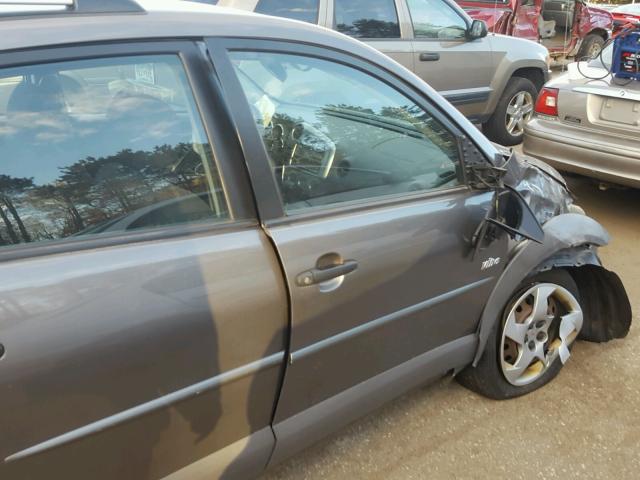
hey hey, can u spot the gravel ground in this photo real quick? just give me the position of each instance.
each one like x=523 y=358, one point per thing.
x=585 y=424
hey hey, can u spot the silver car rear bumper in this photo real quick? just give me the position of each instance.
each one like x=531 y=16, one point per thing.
x=579 y=150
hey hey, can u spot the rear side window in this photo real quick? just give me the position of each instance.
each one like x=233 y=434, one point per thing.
x=303 y=10
x=102 y=146
x=367 y=18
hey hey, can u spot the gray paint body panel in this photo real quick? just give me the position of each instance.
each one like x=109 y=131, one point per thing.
x=92 y=335
x=307 y=427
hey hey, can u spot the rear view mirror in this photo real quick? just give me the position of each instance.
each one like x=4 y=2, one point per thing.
x=478 y=29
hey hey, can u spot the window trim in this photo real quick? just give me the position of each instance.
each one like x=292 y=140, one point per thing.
x=270 y=204
x=399 y=16
x=451 y=40
x=217 y=128
x=116 y=239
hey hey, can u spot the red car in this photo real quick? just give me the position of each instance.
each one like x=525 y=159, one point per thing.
x=568 y=28
x=625 y=15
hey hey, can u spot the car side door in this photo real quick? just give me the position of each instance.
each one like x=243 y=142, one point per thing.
x=527 y=21
x=143 y=312
x=460 y=69
x=362 y=187
x=383 y=24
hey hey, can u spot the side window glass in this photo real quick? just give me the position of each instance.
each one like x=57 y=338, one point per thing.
x=335 y=134
x=102 y=146
x=434 y=19
x=367 y=18
x=303 y=10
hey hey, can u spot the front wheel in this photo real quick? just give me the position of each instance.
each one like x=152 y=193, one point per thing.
x=515 y=108
x=531 y=343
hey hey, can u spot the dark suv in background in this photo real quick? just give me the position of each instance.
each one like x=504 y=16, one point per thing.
x=493 y=80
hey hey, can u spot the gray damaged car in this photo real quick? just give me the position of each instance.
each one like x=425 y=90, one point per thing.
x=223 y=236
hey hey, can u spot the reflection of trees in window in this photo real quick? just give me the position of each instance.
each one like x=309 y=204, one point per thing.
x=92 y=191
x=370 y=28
x=427 y=125
x=10 y=187
x=411 y=117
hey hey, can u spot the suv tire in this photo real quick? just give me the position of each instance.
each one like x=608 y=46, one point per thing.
x=497 y=127
x=489 y=377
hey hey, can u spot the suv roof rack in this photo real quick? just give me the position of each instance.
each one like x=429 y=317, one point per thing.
x=46 y=7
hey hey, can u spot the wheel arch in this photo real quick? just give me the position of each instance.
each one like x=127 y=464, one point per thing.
x=601 y=32
x=534 y=74
x=570 y=241
x=507 y=68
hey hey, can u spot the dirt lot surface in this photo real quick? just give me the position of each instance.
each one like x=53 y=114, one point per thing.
x=585 y=424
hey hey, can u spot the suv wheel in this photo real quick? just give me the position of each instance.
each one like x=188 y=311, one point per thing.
x=591 y=47
x=528 y=347
x=514 y=110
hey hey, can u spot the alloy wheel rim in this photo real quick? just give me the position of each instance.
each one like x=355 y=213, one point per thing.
x=538 y=331
x=519 y=112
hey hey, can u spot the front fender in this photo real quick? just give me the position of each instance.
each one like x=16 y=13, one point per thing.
x=511 y=54
x=566 y=231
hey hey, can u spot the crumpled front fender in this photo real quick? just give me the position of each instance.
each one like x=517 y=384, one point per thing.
x=605 y=304
x=563 y=232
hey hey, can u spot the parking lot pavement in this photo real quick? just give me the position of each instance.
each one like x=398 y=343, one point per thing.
x=585 y=424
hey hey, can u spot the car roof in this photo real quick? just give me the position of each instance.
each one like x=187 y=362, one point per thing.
x=160 y=19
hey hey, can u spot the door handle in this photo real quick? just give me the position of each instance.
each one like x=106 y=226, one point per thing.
x=321 y=275
x=429 y=57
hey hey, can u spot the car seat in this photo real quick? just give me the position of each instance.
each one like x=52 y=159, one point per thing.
x=546 y=28
x=560 y=11
x=41 y=95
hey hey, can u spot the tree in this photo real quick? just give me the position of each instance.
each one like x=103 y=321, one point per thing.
x=370 y=28
x=11 y=186
x=10 y=230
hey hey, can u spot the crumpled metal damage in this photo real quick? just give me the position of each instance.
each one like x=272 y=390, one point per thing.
x=607 y=309
x=542 y=187
x=571 y=242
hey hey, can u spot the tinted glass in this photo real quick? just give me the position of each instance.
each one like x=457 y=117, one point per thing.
x=101 y=146
x=304 y=10
x=367 y=18
x=335 y=134
x=437 y=20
